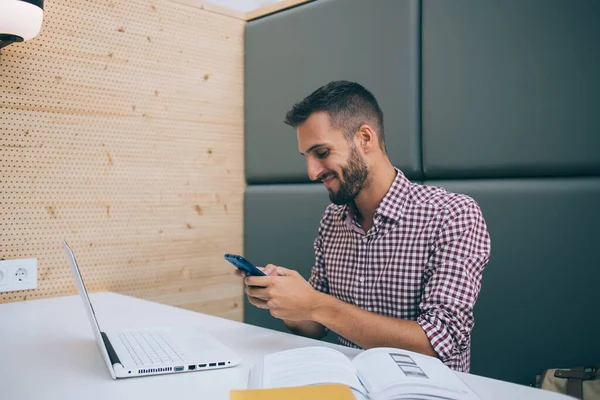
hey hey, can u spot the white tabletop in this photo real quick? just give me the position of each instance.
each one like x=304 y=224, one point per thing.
x=47 y=351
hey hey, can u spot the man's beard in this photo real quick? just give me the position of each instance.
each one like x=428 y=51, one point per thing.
x=354 y=174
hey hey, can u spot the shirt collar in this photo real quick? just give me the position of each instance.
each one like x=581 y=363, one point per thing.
x=391 y=205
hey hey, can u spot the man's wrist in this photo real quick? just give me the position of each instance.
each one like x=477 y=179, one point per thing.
x=319 y=305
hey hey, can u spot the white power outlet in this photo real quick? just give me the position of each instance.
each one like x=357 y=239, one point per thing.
x=19 y=274
x=3 y=276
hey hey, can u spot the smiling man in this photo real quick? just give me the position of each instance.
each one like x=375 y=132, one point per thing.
x=397 y=264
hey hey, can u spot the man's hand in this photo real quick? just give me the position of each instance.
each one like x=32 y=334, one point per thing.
x=255 y=301
x=307 y=312
x=284 y=292
x=302 y=327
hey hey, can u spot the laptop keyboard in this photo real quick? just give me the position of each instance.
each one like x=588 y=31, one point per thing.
x=149 y=347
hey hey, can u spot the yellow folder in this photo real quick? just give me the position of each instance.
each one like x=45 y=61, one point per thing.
x=320 y=392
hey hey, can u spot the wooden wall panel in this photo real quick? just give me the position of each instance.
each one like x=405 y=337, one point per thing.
x=121 y=130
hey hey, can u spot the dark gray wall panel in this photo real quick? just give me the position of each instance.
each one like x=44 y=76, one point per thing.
x=292 y=53
x=538 y=306
x=510 y=87
x=281 y=223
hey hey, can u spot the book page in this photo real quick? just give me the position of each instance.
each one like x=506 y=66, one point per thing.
x=389 y=373
x=308 y=366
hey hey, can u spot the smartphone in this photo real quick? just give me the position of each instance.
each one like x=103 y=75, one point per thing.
x=243 y=264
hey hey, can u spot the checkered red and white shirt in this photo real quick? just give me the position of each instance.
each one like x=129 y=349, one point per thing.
x=421 y=261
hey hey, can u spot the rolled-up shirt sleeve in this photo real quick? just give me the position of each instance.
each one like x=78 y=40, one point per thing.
x=452 y=283
x=318 y=276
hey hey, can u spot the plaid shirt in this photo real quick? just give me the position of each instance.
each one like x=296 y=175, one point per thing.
x=421 y=261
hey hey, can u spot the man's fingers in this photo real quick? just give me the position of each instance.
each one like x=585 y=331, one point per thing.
x=257 y=281
x=258 y=302
x=239 y=272
x=259 y=293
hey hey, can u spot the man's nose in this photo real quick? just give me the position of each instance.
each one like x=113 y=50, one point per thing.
x=314 y=168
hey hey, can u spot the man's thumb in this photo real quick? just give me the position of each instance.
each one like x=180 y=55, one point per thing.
x=280 y=271
x=275 y=270
x=270 y=269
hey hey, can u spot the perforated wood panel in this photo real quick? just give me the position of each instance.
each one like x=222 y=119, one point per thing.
x=121 y=131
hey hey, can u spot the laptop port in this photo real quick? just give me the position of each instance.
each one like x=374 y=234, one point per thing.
x=202 y=366
x=179 y=368
x=212 y=364
x=221 y=363
x=191 y=367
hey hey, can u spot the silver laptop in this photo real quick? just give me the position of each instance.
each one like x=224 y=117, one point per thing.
x=153 y=351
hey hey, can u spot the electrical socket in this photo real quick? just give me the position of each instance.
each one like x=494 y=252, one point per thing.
x=3 y=275
x=19 y=274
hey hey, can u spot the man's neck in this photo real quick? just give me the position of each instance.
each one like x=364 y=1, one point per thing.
x=369 y=198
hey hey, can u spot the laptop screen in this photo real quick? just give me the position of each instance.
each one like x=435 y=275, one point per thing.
x=87 y=305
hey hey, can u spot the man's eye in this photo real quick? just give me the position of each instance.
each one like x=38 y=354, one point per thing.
x=322 y=154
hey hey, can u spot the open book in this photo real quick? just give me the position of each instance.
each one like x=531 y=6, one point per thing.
x=376 y=374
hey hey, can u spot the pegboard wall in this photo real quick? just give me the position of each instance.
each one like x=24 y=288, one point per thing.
x=121 y=131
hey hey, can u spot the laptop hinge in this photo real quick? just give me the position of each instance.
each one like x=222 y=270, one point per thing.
x=114 y=359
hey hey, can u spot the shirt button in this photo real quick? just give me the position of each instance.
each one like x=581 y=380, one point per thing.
x=361 y=279
x=365 y=239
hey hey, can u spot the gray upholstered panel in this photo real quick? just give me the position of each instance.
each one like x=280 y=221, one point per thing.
x=538 y=307
x=281 y=224
x=510 y=87
x=292 y=53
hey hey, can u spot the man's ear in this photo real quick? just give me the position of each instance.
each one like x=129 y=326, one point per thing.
x=365 y=138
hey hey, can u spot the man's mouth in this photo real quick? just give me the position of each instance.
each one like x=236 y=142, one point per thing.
x=327 y=180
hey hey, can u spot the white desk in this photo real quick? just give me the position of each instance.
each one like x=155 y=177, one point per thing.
x=47 y=351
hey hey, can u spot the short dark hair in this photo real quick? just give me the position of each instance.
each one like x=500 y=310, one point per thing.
x=349 y=105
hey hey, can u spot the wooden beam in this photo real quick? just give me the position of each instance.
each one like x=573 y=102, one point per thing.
x=274 y=8
x=210 y=7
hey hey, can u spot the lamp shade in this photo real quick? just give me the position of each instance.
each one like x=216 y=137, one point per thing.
x=21 y=18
